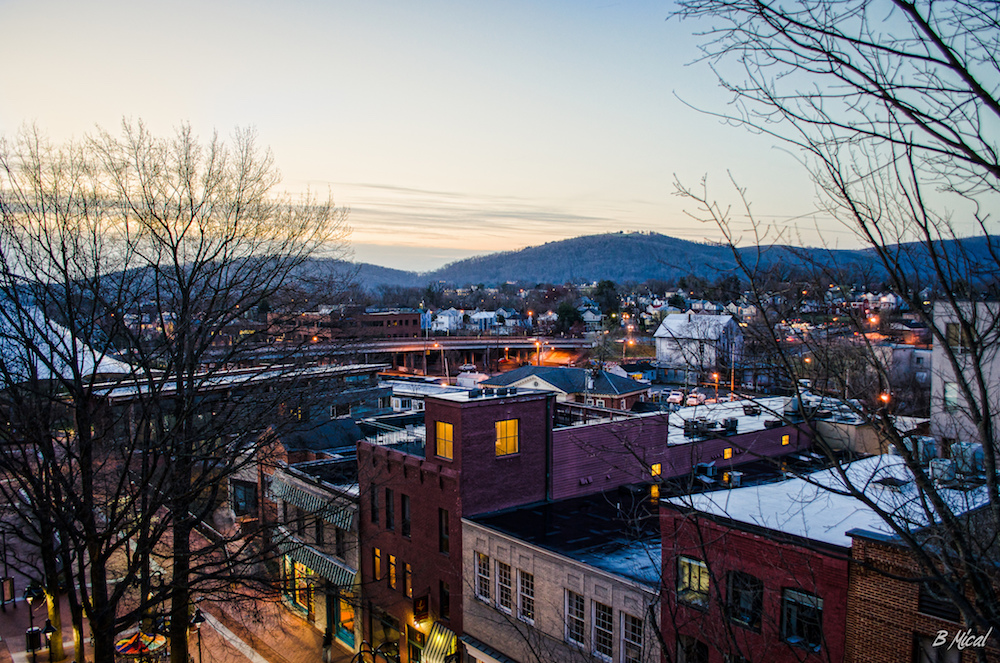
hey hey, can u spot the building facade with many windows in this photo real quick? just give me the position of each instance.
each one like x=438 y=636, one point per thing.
x=573 y=580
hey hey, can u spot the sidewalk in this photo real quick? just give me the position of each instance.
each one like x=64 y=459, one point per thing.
x=249 y=632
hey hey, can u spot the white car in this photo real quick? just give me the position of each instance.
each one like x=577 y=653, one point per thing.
x=694 y=398
x=467 y=368
x=676 y=398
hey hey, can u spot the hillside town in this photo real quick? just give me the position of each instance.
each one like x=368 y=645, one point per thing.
x=547 y=333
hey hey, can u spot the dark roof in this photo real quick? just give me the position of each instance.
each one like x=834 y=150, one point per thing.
x=324 y=436
x=603 y=530
x=569 y=380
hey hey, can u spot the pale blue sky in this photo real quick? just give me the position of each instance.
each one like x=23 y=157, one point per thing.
x=448 y=128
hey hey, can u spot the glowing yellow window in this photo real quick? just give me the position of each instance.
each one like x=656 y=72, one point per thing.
x=727 y=452
x=507 y=442
x=444 y=439
x=654 y=491
x=656 y=469
x=785 y=439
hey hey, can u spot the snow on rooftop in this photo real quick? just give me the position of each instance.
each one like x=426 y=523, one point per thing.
x=817 y=506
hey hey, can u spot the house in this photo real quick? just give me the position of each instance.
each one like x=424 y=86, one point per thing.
x=592 y=317
x=575 y=385
x=447 y=321
x=687 y=342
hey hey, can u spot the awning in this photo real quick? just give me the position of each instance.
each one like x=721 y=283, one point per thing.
x=483 y=652
x=327 y=567
x=441 y=642
x=340 y=515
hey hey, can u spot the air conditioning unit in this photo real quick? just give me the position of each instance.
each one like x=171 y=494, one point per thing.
x=922 y=447
x=705 y=469
x=968 y=457
x=735 y=479
x=942 y=469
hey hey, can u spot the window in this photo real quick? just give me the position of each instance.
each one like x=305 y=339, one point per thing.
x=950 y=396
x=373 y=496
x=404 y=513
x=656 y=469
x=444 y=539
x=727 y=453
x=390 y=509
x=482 y=576
x=340 y=543
x=319 y=532
x=746 y=599
x=802 y=619
x=937 y=604
x=692 y=581
x=785 y=439
x=444 y=439
x=507 y=442
x=958 y=340
x=444 y=592
x=392 y=571
x=244 y=496
x=408 y=580
x=925 y=651
x=691 y=650
x=526 y=596
x=376 y=564
x=603 y=630
x=505 y=590
x=631 y=639
x=574 y=618
x=300 y=523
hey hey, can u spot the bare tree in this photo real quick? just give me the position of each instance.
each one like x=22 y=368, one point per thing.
x=155 y=251
x=894 y=105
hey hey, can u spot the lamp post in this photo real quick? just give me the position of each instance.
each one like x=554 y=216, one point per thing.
x=197 y=620
x=715 y=376
x=32 y=637
x=48 y=630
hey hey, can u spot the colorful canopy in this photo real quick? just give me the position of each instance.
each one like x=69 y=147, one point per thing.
x=140 y=644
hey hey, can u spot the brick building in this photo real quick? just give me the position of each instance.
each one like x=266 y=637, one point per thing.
x=891 y=619
x=761 y=572
x=489 y=450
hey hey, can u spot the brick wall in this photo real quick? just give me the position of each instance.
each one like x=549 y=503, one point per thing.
x=780 y=563
x=883 y=619
x=431 y=486
x=491 y=482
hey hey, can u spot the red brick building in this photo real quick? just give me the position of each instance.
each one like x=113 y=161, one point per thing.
x=892 y=619
x=735 y=592
x=481 y=454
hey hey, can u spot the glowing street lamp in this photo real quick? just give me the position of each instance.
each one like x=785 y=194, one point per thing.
x=715 y=376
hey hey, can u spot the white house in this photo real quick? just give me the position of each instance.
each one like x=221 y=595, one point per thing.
x=697 y=342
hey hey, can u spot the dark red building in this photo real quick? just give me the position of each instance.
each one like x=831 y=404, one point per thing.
x=490 y=450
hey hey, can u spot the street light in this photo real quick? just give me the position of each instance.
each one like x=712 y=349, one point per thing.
x=197 y=620
x=715 y=376
x=32 y=637
x=48 y=630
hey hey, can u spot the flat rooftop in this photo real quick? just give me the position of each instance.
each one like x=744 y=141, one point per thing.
x=617 y=531
x=813 y=506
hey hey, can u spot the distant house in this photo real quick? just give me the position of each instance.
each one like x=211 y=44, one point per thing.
x=576 y=385
x=691 y=342
x=592 y=317
x=447 y=320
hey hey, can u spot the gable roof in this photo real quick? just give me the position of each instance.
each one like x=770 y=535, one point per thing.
x=694 y=326
x=569 y=380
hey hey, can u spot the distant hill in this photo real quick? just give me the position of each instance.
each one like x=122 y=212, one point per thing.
x=641 y=256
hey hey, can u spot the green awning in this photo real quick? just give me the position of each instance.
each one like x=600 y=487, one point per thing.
x=341 y=515
x=336 y=572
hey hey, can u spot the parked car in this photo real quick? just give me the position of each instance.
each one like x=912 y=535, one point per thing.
x=695 y=398
x=676 y=398
x=467 y=368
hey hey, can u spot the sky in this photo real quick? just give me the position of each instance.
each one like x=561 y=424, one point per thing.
x=449 y=128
